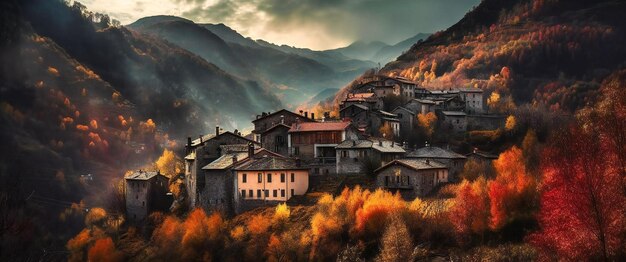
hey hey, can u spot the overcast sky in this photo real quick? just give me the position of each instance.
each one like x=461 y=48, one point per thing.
x=316 y=24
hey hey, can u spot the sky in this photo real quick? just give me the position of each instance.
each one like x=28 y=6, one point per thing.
x=315 y=24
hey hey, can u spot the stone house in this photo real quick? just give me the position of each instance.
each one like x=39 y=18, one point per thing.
x=275 y=139
x=420 y=106
x=353 y=154
x=370 y=100
x=201 y=152
x=379 y=118
x=315 y=143
x=267 y=120
x=473 y=98
x=145 y=192
x=219 y=180
x=453 y=121
x=453 y=161
x=411 y=177
x=406 y=117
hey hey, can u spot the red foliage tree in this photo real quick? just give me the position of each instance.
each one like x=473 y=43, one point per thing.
x=469 y=213
x=583 y=209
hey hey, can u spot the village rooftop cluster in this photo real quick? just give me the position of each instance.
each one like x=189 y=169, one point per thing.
x=287 y=152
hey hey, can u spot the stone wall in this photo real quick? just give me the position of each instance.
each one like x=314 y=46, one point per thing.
x=485 y=122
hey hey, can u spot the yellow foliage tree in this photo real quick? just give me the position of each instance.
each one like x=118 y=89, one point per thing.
x=510 y=123
x=168 y=164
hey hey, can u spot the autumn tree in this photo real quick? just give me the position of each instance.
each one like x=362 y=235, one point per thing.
x=469 y=212
x=396 y=243
x=512 y=192
x=103 y=250
x=386 y=131
x=168 y=164
x=583 y=207
x=427 y=123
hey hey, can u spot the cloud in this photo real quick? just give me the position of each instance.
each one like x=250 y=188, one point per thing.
x=318 y=24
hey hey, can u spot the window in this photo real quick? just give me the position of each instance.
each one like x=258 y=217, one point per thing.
x=282 y=193
x=250 y=193
x=260 y=178
x=282 y=177
x=143 y=203
x=267 y=193
x=258 y=193
x=296 y=151
x=243 y=193
x=275 y=193
x=344 y=153
x=292 y=192
x=293 y=177
x=386 y=180
x=269 y=178
x=244 y=178
x=316 y=170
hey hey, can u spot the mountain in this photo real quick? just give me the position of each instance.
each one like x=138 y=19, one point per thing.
x=542 y=52
x=292 y=77
x=229 y=35
x=390 y=53
x=361 y=50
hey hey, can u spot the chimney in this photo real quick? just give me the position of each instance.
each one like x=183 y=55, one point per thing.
x=353 y=142
x=306 y=114
x=428 y=161
x=405 y=145
x=427 y=145
x=234 y=158
x=217 y=130
x=475 y=150
x=298 y=162
x=312 y=116
x=250 y=150
x=392 y=143
x=189 y=141
x=200 y=136
x=380 y=142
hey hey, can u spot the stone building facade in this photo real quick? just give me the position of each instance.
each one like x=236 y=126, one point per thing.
x=411 y=177
x=145 y=192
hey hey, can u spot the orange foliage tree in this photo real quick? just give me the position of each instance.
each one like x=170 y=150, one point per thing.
x=512 y=192
x=427 y=123
x=103 y=250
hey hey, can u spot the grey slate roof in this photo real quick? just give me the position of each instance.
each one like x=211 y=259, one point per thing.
x=415 y=164
x=355 y=144
x=225 y=161
x=142 y=175
x=434 y=152
x=270 y=163
x=387 y=147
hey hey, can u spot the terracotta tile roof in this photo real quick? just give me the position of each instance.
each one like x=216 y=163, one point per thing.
x=319 y=126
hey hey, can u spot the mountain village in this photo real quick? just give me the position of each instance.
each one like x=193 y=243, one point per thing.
x=289 y=154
